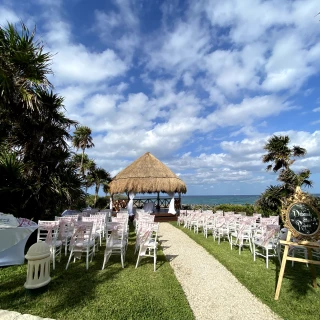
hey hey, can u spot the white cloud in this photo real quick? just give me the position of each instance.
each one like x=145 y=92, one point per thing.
x=246 y=112
x=234 y=70
x=187 y=79
x=288 y=65
x=8 y=16
x=179 y=49
x=74 y=63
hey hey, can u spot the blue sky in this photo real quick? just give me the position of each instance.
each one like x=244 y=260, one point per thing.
x=200 y=84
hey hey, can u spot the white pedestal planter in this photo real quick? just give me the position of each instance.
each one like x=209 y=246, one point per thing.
x=38 y=273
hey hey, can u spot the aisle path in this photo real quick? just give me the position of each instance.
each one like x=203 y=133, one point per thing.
x=212 y=291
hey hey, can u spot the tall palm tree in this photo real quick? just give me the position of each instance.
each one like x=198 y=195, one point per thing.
x=101 y=176
x=280 y=154
x=89 y=168
x=82 y=139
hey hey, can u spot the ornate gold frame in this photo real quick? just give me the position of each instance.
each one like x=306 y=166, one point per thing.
x=296 y=198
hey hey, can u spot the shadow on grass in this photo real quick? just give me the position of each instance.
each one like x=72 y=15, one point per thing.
x=299 y=276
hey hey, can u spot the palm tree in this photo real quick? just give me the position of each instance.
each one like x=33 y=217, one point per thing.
x=88 y=167
x=100 y=176
x=280 y=154
x=291 y=180
x=82 y=140
x=269 y=201
x=105 y=187
x=23 y=70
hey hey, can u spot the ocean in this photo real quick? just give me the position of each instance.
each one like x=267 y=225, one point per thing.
x=215 y=200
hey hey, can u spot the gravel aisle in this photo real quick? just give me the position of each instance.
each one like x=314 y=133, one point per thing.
x=212 y=291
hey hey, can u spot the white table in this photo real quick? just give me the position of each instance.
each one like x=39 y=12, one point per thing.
x=12 y=244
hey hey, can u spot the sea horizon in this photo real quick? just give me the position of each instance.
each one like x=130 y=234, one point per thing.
x=212 y=200
x=218 y=199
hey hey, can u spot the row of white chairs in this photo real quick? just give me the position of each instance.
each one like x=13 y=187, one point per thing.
x=78 y=242
x=84 y=237
x=258 y=233
x=78 y=237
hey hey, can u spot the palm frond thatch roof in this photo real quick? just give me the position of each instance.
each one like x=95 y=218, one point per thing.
x=147 y=174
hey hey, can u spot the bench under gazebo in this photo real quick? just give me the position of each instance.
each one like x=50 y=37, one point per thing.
x=147 y=174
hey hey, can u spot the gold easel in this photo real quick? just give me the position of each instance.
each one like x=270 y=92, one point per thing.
x=307 y=241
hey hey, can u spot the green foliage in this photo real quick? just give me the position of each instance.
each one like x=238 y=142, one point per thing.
x=269 y=202
x=248 y=208
x=23 y=68
x=101 y=202
x=37 y=178
x=100 y=177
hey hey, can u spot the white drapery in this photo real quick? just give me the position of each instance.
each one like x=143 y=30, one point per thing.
x=171 y=205
x=130 y=203
x=111 y=204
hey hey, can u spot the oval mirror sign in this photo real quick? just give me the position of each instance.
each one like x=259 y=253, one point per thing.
x=303 y=218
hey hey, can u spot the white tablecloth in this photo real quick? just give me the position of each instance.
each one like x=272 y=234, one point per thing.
x=12 y=244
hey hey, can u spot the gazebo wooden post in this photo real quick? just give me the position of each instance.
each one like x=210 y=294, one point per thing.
x=158 y=201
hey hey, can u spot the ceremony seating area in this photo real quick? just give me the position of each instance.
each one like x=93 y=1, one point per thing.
x=95 y=293
x=81 y=235
x=130 y=282
x=260 y=235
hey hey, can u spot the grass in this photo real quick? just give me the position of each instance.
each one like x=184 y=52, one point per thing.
x=112 y=293
x=298 y=299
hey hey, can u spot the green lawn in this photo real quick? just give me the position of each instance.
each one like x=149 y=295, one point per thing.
x=112 y=293
x=298 y=299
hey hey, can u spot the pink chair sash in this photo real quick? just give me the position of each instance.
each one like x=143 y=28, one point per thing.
x=49 y=228
x=271 y=231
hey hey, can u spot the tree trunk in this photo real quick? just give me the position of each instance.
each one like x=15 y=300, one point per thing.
x=96 y=194
x=81 y=165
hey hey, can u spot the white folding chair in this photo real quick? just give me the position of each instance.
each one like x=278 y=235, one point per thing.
x=48 y=232
x=116 y=245
x=66 y=226
x=82 y=242
x=148 y=247
x=265 y=242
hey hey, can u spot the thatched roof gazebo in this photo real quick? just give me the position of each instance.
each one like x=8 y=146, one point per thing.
x=147 y=174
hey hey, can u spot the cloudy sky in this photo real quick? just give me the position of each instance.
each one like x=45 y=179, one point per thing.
x=201 y=84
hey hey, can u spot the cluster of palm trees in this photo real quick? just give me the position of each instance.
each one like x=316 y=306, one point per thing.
x=281 y=157
x=87 y=168
x=38 y=172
